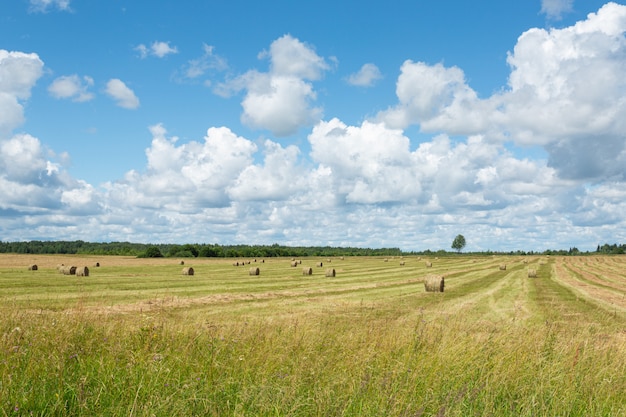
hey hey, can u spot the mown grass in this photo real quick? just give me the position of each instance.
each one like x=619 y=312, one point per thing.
x=145 y=341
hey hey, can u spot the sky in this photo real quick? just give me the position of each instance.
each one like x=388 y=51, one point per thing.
x=366 y=124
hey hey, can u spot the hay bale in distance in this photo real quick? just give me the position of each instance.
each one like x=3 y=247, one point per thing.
x=320 y=264
x=294 y=264
x=330 y=272
x=188 y=270
x=532 y=273
x=402 y=263
x=182 y=262
x=434 y=283
x=307 y=270
x=502 y=267
x=235 y=263
x=97 y=264
x=60 y=268
x=255 y=271
x=82 y=271
x=68 y=270
x=32 y=267
x=429 y=264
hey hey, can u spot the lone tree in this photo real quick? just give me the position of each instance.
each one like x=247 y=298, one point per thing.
x=458 y=243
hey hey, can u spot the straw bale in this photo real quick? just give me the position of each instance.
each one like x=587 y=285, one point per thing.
x=330 y=272
x=255 y=271
x=82 y=271
x=188 y=270
x=434 y=283
x=68 y=270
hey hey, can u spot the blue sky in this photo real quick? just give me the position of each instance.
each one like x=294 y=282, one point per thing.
x=373 y=124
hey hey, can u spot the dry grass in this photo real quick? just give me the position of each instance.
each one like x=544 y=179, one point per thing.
x=137 y=338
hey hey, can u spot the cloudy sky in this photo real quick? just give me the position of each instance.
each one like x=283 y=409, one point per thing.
x=370 y=124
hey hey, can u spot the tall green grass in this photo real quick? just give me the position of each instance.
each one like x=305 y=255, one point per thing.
x=369 y=342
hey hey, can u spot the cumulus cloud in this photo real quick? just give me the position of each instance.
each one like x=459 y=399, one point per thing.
x=365 y=77
x=565 y=93
x=554 y=9
x=18 y=74
x=202 y=171
x=72 y=87
x=157 y=48
x=42 y=6
x=281 y=100
x=371 y=181
x=435 y=97
x=123 y=96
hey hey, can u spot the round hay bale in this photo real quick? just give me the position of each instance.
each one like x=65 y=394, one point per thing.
x=342 y=258
x=330 y=272
x=402 y=263
x=386 y=260
x=320 y=264
x=434 y=283
x=182 y=262
x=429 y=264
x=532 y=273
x=32 y=267
x=97 y=264
x=60 y=268
x=82 y=271
x=188 y=270
x=307 y=270
x=68 y=270
x=235 y=263
x=502 y=267
x=294 y=263
x=255 y=271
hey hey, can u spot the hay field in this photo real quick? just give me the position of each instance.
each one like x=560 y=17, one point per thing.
x=137 y=337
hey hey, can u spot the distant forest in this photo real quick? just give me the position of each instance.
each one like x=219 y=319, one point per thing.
x=246 y=251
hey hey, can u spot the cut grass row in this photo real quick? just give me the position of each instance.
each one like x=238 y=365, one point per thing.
x=368 y=342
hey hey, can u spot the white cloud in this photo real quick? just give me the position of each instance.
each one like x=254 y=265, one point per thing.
x=159 y=49
x=369 y=184
x=18 y=74
x=278 y=178
x=554 y=9
x=366 y=76
x=42 y=6
x=281 y=99
x=124 y=96
x=435 y=97
x=565 y=94
x=291 y=57
x=198 y=67
x=72 y=87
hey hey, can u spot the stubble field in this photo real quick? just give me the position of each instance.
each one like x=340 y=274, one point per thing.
x=137 y=338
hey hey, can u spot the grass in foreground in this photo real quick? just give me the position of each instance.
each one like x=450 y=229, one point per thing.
x=497 y=343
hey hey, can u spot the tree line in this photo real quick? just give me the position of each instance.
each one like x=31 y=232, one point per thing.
x=251 y=251
x=186 y=250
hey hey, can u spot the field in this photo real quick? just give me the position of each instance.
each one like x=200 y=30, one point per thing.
x=138 y=338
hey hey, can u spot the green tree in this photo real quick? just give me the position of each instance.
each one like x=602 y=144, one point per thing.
x=151 y=252
x=458 y=243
